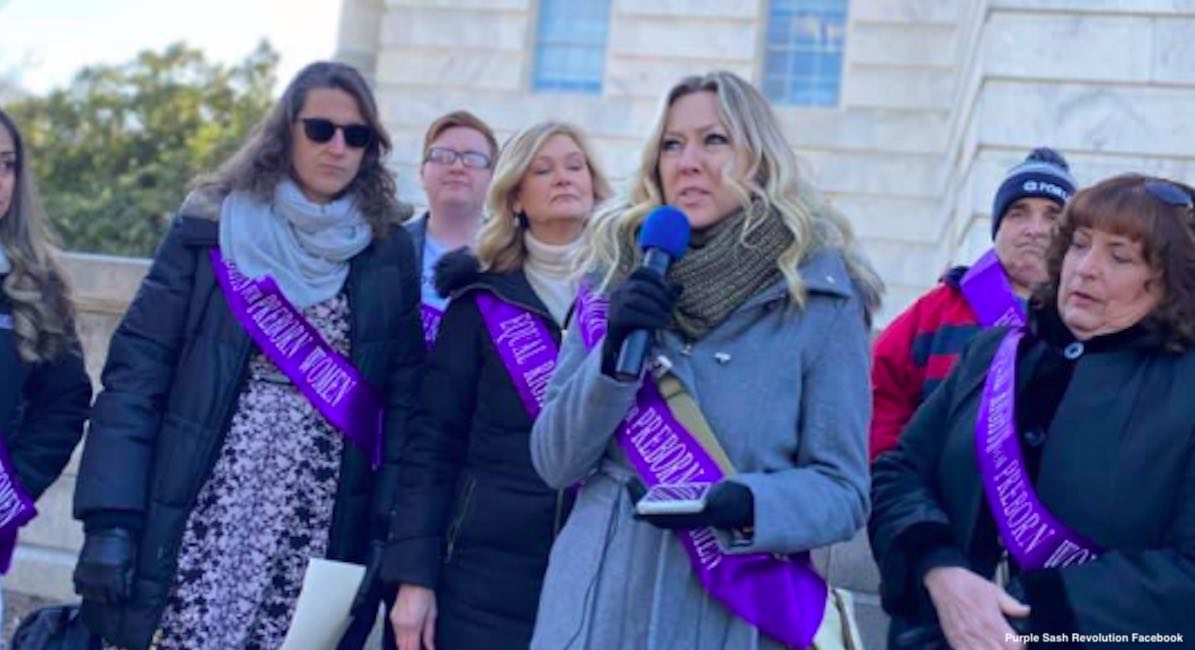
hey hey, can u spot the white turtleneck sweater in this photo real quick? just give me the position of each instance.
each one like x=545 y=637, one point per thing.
x=548 y=267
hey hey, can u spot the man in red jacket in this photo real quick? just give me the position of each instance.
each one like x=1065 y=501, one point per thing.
x=919 y=348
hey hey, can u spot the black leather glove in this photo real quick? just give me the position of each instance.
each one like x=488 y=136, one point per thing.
x=370 y=591
x=729 y=506
x=107 y=566
x=454 y=270
x=642 y=302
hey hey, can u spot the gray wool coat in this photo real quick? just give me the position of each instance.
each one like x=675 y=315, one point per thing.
x=789 y=402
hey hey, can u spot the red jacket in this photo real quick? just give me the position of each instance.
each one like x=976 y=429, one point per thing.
x=914 y=354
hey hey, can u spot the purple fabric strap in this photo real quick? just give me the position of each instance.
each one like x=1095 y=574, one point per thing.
x=16 y=507
x=431 y=323
x=1032 y=535
x=328 y=380
x=782 y=596
x=525 y=346
x=986 y=288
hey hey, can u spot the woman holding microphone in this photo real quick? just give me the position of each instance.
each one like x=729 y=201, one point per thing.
x=758 y=386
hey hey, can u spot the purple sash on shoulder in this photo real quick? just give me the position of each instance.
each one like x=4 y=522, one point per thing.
x=986 y=288
x=782 y=596
x=525 y=346
x=328 y=380
x=16 y=508
x=1032 y=535
x=431 y=323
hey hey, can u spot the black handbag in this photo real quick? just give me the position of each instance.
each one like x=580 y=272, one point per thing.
x=55 y=628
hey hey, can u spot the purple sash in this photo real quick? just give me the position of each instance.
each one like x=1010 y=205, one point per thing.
x=780 y=595
x=525 y=346
x=16 y=508
x=431 y=323
x=986 y=288
x=323 y=375
x=1032 y=535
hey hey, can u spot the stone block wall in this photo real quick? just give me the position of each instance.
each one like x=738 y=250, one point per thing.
x=939 y=97
x=1109 y=84
x=879 y=154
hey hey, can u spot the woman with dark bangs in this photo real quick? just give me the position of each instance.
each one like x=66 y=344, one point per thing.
x=1048 y=487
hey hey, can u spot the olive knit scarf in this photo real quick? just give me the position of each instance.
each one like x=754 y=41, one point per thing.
x=722 y=269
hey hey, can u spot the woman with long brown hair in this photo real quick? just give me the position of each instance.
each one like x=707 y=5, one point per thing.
x=255 y=392
x=44 y=390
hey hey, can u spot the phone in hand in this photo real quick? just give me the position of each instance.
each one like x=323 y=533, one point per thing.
x=674 y=499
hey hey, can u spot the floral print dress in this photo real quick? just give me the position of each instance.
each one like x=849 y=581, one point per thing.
x=264 y=511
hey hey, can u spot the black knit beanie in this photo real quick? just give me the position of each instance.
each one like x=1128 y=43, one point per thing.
x=1044 y=174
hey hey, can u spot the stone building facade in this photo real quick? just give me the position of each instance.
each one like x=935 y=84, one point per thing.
x=938 y=97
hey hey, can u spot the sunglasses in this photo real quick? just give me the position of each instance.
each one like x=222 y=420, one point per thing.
x=320 y=130
x=1170 y=194
x=470 y=159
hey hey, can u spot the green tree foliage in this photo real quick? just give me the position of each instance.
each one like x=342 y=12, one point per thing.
x=115 y=150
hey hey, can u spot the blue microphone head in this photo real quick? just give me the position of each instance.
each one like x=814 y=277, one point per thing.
x=667 y=229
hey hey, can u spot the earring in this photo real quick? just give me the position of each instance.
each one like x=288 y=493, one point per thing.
x=521 y=220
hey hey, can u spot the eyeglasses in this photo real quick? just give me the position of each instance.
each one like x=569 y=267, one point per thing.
x=470 y=159
x=1170 y=194
x=320 y=130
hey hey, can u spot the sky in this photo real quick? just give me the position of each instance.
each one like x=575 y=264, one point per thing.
x=44 y=42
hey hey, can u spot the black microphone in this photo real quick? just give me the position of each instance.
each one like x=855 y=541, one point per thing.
x=663 y=238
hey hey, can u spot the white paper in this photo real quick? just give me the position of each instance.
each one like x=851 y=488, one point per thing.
x=322 y=611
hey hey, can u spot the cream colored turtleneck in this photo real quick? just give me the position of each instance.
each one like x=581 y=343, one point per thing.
x=548 y=267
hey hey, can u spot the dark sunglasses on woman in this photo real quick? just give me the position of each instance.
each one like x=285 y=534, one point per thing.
x=320 y=130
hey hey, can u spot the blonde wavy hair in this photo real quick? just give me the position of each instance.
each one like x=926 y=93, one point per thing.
x=771 y=185
x=42 y=314
x=500 y=246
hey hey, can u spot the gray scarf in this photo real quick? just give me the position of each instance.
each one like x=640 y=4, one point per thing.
x=304 y=246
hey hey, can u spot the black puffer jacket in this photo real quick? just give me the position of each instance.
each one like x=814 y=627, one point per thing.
x=175 y=370
x=1109 y=443
x=473 y=519
x=42 y=408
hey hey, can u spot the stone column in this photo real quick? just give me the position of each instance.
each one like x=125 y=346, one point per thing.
x=357 y=42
